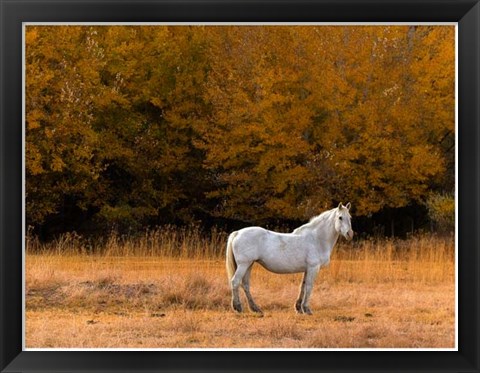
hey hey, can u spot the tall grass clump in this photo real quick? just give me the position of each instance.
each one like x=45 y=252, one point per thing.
x=166 y=241
x=426 y=258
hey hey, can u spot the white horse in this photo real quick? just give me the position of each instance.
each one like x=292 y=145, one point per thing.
x=305 y=250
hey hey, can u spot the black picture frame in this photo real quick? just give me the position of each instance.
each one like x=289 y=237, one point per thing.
x=14 y=12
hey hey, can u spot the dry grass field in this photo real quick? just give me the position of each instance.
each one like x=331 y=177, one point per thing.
x=169 y=290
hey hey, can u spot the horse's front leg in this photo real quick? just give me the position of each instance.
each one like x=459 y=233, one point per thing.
x=298 y=303
x=310 y=276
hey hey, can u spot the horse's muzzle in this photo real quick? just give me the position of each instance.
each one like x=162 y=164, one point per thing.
x=349 y=235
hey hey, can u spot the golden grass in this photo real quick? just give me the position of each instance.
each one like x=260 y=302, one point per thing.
x=131 y=293
x=169 y=241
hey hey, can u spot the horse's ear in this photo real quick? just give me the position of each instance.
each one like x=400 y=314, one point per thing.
x=348 y=206
x=340 y=206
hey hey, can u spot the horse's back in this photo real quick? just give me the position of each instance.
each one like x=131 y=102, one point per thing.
x=278 y=252
x=251 y=235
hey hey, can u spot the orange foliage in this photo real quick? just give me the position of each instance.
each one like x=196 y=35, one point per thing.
x=246 y=122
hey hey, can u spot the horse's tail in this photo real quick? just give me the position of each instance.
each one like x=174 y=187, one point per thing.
x=231 y=263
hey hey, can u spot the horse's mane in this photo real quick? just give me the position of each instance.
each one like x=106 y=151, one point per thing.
x=314 y=221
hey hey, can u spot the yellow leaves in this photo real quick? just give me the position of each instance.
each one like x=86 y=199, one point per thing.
x=33 y=119
x=31 y=35
x=49 y=132
x=425 y=162
x=157 y=101
x=57 y=164
x=33 y=160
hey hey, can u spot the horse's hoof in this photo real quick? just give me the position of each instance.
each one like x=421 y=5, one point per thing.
x=237 y=307
x=307 y=311
x=257 y=310
x=298 y=308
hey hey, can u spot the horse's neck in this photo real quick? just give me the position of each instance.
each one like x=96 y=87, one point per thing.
x=326 y=235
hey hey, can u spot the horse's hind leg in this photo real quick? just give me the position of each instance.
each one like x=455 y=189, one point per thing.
x=235 y=283
x=298 y=303
x=246 y=287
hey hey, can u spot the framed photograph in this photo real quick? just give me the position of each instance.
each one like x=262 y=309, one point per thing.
x=249 y=186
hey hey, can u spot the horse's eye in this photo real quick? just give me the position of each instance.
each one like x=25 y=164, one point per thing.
x=340 y=218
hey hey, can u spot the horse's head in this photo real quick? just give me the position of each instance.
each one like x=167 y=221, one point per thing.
x=343 y=224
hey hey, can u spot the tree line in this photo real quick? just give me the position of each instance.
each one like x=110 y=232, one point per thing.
x=134 y=126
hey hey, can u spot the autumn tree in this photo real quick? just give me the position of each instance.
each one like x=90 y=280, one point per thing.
x=302 y=117
x=257 y=94
x=382 y=148
x=128 y=126
x=60 y=96
x=89 y=93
